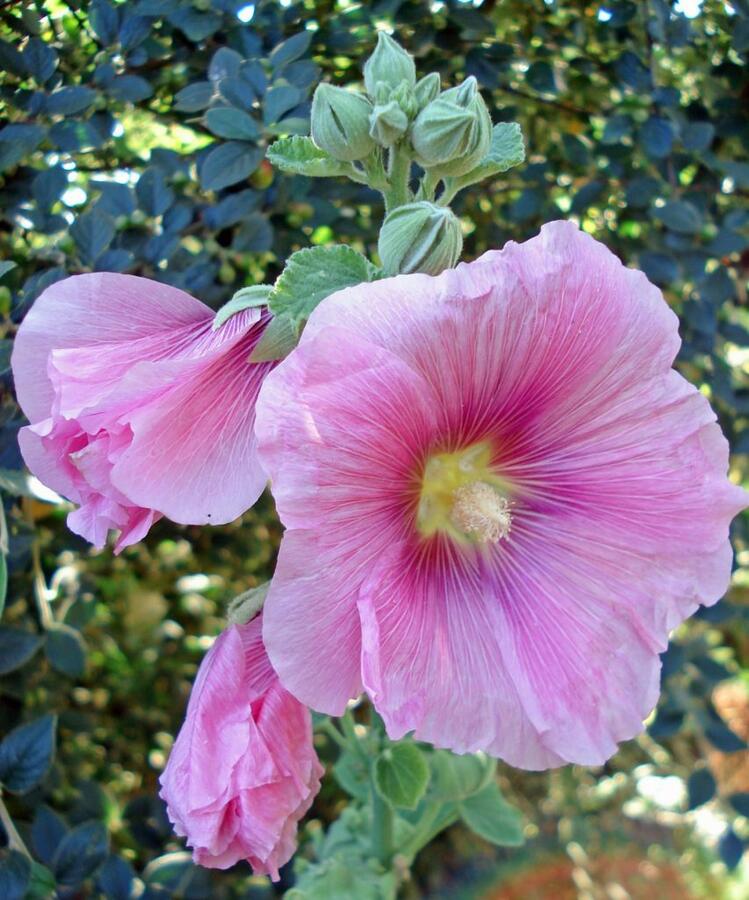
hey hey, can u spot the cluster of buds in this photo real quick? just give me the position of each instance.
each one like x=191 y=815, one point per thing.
x=447 y=133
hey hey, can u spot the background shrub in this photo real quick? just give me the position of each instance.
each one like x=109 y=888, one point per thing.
x=134 y=141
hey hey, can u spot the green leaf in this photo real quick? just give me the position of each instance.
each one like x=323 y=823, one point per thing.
x=278 y=340
x=352 y=774
x=343 y=876
x=194 y=97
x=5 y=266
x=16 y=646
x=47 y=830
x=312 y=274
x=66 y=650
x=507 y=150
x=491 y=817
x=92 y=232
x=245 y=298
x=229 y=164
x=80 y=853
x=300 y=156
x=15 y=874
x=116 y=878
x=26 y=754
x=680 y=216
x=20 y=484
x=175 y=873
x=700 y=788
x=233 y=123
x=401 y=775
x=457 y=777
x=42 y=885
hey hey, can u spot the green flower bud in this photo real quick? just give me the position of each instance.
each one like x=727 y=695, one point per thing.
x=405 y=96
x=453 y=133
x=427 y=89
x=387 y=123
x=340 y=123
x=420 y=237
x=389 y=64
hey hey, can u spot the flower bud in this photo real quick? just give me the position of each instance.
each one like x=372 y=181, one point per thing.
x=427 y=88
x=420 y=237
x=340 y=123
x=454 y=131
x=387 y=123
x=389 y=64
x=405 y=96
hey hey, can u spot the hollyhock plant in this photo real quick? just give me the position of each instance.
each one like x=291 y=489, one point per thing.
x=243 y=770
x=510 y=497
x=138 y=407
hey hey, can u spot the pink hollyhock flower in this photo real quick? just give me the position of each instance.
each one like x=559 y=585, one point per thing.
x=138 y=408
x=243 y=770
x=499 y=500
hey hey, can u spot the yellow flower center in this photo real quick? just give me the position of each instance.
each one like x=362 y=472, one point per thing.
x=463 y=497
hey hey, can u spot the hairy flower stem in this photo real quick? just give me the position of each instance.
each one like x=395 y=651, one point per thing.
x=399 y=171
x=382 y=827
x=428 y=186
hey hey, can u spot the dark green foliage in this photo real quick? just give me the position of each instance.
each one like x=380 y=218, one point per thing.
x=133 y=140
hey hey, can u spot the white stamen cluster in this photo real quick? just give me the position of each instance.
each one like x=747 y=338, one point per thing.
x=480 y=512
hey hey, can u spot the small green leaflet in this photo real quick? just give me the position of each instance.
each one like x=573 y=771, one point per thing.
x=245 y=298
x=300 y=156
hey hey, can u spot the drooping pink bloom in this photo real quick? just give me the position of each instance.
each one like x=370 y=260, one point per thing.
x=138 y=408
x=499 y=500
x=243 y=770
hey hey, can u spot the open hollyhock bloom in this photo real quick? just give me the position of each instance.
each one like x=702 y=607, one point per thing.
x=138 y=408
x=243 y=770
x=499 y=500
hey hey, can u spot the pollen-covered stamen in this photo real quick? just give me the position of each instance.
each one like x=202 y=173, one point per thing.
x=481 y=512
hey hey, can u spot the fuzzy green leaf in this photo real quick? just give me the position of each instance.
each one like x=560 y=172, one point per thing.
x=245 y=298
x=491 y=817
x=313 y=274
x=300 y=156
x=401 y=775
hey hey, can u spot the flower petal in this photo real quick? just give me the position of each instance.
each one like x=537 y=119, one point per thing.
x=339 y=432
x=193 y=454
x=88 y=310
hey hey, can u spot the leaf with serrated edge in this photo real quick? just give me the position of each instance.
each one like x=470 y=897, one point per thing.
x=300 y=156
x=312 y=274
x=245 y=298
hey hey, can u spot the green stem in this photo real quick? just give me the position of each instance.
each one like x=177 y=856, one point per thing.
x=399 y=171
x=329 y=729
x=436 y=818
x=15 y=840
x=382 y=827
x=428 y=185
x=453 y=186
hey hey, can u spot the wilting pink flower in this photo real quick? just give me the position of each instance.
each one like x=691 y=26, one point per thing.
x=243 y=770
x=500 y=499
x=138 y=408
